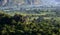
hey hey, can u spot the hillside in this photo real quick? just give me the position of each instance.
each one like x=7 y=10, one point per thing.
x=23 y=25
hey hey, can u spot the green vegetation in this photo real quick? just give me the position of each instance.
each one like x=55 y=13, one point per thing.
x=23 y=25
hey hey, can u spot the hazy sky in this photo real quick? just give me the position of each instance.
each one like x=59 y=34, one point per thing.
x=57 y=0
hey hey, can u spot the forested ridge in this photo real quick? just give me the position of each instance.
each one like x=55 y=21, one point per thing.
x=20 y=25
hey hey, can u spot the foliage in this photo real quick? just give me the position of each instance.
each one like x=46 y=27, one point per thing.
x=17 y=25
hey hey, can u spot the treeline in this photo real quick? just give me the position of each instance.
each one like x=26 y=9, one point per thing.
x=20 y=25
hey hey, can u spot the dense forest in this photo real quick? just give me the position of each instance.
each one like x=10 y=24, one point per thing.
x=22 y=25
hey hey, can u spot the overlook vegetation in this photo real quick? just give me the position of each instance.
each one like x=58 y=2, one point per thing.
x=19 y=24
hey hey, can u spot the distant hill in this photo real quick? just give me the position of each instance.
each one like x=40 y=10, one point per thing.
x=25 y=4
